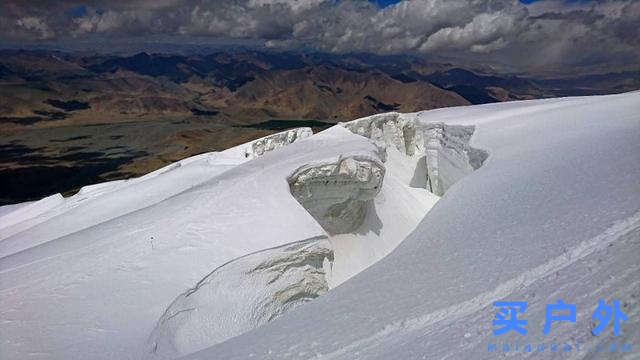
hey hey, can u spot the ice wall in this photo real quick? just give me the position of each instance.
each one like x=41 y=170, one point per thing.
x=448 y=155
x=260 y=146
x=441 y=153
x=390 y=129
x=335 y=194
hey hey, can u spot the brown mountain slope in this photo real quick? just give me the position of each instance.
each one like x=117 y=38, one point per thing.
x=327 y=93
x=66 y=122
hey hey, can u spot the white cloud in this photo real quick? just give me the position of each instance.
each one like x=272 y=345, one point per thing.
x=554 y=29
x=36 y=25
x=486 y=32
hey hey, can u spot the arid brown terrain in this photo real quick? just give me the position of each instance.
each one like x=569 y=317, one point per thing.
x=68 y=120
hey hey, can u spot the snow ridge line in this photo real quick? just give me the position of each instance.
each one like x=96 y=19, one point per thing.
x=298 y=242
x=527 y=278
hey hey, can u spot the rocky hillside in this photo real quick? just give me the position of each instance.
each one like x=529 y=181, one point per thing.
x=45 y=89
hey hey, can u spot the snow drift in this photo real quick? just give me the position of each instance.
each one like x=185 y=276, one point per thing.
x=274 y=281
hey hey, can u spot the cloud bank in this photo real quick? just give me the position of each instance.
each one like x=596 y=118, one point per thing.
x=550 y=32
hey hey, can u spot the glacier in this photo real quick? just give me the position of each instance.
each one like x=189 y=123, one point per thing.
x=552 y=213
x=384 y=237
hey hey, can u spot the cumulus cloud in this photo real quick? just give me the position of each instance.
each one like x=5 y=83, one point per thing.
x=536 y=34
x=37 y=26
x=485 y=32
x=126 y=21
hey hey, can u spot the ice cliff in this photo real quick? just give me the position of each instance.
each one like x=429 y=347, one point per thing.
x=336 y=194
x=448 y=155
x=260 y=146
x=441 y=154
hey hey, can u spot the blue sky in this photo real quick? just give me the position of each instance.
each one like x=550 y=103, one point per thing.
x=78 y=11
x=384 y=3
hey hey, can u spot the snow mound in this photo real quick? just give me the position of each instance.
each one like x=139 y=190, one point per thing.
x=18 y=213
x=241 y=295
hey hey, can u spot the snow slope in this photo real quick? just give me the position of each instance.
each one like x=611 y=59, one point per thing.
x=217 y=256
x=81 y=282
x=553 y=213
x=41 y=221
x=132 y=269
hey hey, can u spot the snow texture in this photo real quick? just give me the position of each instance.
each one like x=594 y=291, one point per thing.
x=216 y=256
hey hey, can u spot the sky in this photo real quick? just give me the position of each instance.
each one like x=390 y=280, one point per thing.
x=524 y=34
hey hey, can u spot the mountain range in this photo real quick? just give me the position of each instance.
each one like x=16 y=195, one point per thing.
x=115 y=116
